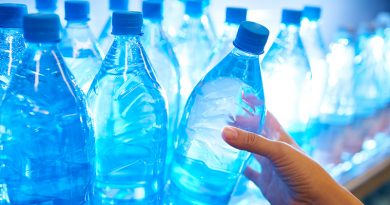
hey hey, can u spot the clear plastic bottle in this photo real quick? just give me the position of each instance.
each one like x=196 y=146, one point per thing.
x=234 y=16
x=105 y=38
x=192 y=38
x=11 y=41
x=383 y=30
x=338 y=105
x=205 y=169
x=47 y=137
x=370 y=73
x=46 y=6
x=130 y=120
x=316 y=53
x=79 y=47
x=287 y=77
x=337 y=109
x=175 y=19
x=165 y=64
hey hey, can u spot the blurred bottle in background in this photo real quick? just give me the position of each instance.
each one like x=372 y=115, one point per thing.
x=315 y=50
x=174 y=19
x=370 y=73
x=338 y=105
x=79 y=47
x=207 y=20
x=383 y=30
x=130 y=120
x=192 y=46
x=234 y=16
x=230 y=94
x=46 y=6
x=165 y=64
x=47 y=138
x=173 y=16
x=11 y=41
x=287 y=76
x=105 y=38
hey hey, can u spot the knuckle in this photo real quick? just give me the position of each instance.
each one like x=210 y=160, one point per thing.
x=250 y=139
x=282 y=148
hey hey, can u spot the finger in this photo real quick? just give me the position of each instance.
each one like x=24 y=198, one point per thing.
x=249 y=141
x=274 y=130
x=260 y=179
x=252 y=174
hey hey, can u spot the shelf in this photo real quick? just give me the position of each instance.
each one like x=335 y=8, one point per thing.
x=374 y=176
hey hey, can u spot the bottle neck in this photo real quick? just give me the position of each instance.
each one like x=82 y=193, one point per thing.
x=77 y=24
x=128 y=55
x=151 y=25
x=42 y=46
x=46 y=11
x=11 y=32
x=292 y=29
x=193 y=19
x=309 y=24
x=244 y=55
x=289 y=35
x=153 y=31
x=127 y=39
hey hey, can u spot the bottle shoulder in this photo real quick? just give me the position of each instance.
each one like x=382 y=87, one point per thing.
x=11 y=42
x=42 y=79
x=125 y=68
x=80 y=45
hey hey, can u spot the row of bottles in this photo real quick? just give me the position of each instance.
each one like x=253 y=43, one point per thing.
x=67 y=139
x=113 y=113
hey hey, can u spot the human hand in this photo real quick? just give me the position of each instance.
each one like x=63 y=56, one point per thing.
x=288 y=176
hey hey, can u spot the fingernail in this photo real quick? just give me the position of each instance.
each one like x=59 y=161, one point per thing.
x=229 y=133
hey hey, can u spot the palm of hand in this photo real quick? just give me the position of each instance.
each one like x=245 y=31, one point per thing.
x=284 y=181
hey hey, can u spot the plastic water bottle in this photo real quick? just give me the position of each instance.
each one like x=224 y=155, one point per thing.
x=11 y=41
x=207 y=20
x=337 y=109
x=287 y=77
x=47 y=138
x=105 y=38
x=383 y=30
x=370 y=73
x=46 y=6
x=315 y=50
x=130 y=120
x=338 y=105
x=164 y=62
x=234 y=16
x=205 y=169
x=191 y=39
x=174 y=20
x=78 y=46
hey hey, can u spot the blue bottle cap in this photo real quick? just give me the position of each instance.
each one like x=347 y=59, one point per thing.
x=251 y=37
x=76 y=10
x=235 y=15
x=46 y=5
x=313 y=13
x=127 y=23
x=41 y=28
x=194 y=8
x=11 y=15
x=119 y=5
x=291 y=17
x=152 y=10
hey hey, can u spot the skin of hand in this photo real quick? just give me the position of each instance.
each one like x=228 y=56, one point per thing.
x=288 y=175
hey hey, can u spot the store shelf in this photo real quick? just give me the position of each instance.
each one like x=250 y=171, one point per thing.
x=374 y=176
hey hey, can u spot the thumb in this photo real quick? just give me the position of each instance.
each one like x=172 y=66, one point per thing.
x=251 y=142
